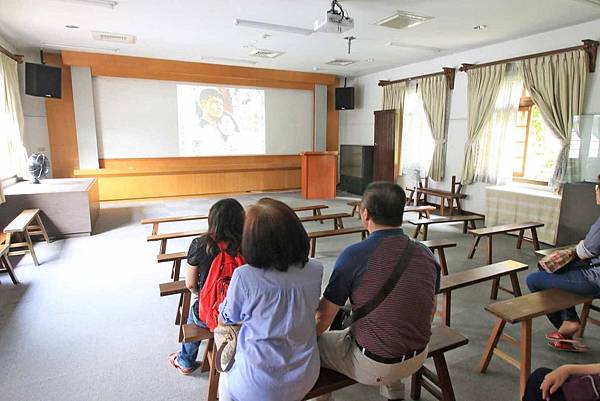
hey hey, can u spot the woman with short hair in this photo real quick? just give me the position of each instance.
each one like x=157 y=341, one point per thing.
x=274 y=297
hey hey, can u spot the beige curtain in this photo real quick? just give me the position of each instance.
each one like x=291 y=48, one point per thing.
x=434 y=91
x=482 y=91
x=11 y=119
x=557 y=86
x=393 y=99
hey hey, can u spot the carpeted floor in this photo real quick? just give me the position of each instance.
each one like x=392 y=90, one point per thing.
x=88 y=324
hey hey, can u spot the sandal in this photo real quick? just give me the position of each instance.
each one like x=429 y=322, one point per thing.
x=173 y=362
x=569 y=347
x=557 y=336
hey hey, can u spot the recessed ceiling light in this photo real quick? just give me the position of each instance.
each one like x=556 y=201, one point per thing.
x=370 y=60
x=480 y=27
x=72 y=26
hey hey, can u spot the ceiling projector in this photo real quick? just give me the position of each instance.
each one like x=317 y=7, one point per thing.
x=336 y=20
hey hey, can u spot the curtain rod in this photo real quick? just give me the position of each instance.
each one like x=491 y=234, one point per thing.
x=589 y=46
x=447 y=71
x=17 y=57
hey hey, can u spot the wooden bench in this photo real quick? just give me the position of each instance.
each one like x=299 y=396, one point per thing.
x=5 y=264
x=470 y=277
x=424 y=211
x=193 y=333
x=336 y=217
x=312 y=236
x=439 y=245
x=176 y=258
x=468 y=221
x=489 y=232
x=451 y=197
x=316 y=209
x=156 y=222
x=438 y=383
x=183 y=307
x=522 y=310
x=23 y=227
x=163 y=238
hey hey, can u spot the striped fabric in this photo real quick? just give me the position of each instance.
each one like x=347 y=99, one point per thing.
x=402 y=322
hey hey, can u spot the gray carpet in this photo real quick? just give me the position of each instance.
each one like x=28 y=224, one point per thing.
x=88 y=324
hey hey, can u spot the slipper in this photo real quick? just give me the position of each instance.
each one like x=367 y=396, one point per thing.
x=173 y=362
x=569 y=347
x=557 y=336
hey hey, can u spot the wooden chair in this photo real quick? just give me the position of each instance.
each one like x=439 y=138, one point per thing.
x=523 y=310
x=467 y=220
x=489 y=232
x=23 y=227
x=466 y=278
x=450 y=198
x=438 y=383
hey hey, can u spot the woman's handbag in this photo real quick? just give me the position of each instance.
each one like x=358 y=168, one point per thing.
x=582 y=388
x=558 y=259
x=225 y=343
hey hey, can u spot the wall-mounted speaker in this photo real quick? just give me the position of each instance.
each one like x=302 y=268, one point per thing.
x=344 y=98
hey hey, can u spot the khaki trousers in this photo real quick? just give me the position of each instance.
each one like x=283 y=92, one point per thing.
x=339 y=352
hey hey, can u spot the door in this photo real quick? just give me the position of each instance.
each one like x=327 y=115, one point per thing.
x=383 y=153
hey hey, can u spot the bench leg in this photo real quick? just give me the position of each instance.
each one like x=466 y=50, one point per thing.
x=514 y=280
x=184 y=312
x=585 y=313
x=163 y=247
x=447 y=307
x=425 y=230
x=313 y=247
x=42 y=228
x=491 y=345
x=474 y=247
x=458 y=207
x=525 y=351
x=417 y=230
x=176 y=269
x=317 y=212
x=495 y=288
x=520 y=239
x=179 y=306
x=443 y=263
x=534 y=236
x=213 y=374
x=490 y=250
x=415 y=385
x=205 y=366
x=472 y=224
x=30 y=247
x=154 y=228
x=441 y=369
x=442 y=207
x=5 y=263
x=451 y=206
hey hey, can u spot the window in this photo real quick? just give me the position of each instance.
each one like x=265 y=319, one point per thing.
x=417 y=141
x=536 y=148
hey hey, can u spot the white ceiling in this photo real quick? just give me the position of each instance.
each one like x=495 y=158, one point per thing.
x=196 y=29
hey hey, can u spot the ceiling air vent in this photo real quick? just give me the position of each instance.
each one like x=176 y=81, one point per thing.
x=113 y=37
x=265 y=53
x=401 y=20
x=341 y=62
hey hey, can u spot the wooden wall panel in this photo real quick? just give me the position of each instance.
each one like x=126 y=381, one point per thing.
x=62 y=133
x=186 y=176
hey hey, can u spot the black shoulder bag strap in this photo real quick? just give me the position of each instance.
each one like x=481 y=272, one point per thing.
x=387 y=288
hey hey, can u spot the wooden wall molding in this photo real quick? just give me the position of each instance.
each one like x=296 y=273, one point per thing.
x=193 y=176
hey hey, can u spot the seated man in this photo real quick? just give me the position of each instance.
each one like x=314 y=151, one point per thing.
x=390 y=342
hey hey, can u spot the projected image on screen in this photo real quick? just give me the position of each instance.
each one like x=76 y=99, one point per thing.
x=216 y=121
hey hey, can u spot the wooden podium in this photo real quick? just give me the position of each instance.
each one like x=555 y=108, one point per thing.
x=319 y=175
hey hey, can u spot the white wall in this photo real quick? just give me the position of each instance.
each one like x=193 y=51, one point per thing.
x=85 y=118
x=356 y=126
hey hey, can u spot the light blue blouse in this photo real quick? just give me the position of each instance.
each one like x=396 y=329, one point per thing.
x=277 y=358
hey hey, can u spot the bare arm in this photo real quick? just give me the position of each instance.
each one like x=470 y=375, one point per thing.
x=325 y=314
x=555 y=379
x=191 y=279
x=434 y=311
